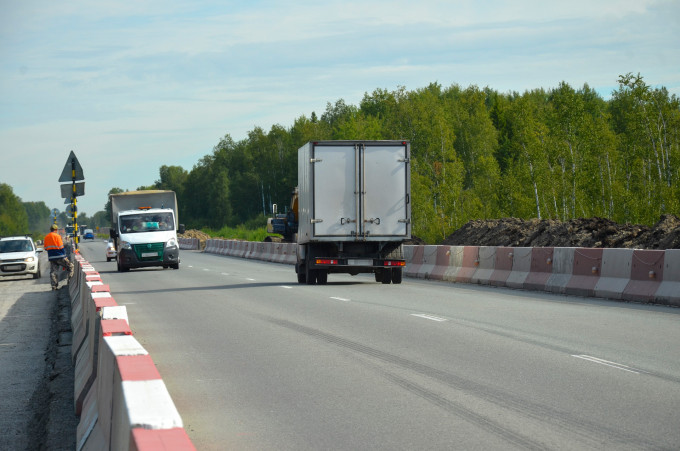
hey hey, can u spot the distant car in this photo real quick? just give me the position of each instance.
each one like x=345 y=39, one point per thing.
x=18 y=256
x=88 y=234
x=110 y=251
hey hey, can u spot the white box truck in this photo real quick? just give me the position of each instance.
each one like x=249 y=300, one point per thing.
x=354 y=209
x=144 y=228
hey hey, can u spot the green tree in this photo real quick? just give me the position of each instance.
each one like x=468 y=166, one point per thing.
x=39 y=217
x=13 y=217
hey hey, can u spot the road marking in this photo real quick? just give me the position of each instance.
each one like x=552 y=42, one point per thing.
x=285 y=286
x=340 y=299
x=618 y=366
x=225 y=273
x=129 y=303
x=430 y=317
x=248 y=278
x=206 y=269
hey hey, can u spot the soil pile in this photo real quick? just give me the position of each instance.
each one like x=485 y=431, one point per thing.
x=590 y=232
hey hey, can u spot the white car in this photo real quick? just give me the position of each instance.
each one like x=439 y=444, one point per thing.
x=19 y=256
x=110 y=251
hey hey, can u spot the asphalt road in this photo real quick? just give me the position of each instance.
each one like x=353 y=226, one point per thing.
x=255 y=361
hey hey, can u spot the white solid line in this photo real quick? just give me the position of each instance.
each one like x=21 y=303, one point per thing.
x=340 y=299
x=430 y=317
x=618 y=366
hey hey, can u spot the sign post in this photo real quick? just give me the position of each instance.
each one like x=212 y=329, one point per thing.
x=73 y=172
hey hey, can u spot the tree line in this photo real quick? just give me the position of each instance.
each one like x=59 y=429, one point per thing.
x=476 y=154
x=34 y=218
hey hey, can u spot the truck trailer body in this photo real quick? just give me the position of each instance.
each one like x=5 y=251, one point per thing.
x=354 y=209
x=144 y=229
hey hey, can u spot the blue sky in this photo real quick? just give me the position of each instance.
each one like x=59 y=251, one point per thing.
x=131 y=86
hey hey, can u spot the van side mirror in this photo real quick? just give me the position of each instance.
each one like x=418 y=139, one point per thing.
x=113 y=233
x=181 y=229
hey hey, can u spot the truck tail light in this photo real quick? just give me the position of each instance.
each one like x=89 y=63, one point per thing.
x=326 y=261
x=394 y=263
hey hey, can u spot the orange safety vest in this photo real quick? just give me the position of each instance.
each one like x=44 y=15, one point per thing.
x=54 y=246
x=53 y=242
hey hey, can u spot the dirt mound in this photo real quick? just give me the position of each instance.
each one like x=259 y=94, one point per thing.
x=590 y=232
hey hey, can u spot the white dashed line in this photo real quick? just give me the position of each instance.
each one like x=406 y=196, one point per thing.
x=430 y=317
x=618 y=366
x=340 y=299
x=285 y=286
x=248 y=278
x=225 y=273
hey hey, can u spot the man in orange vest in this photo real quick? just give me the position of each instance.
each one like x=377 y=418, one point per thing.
x=56 y=254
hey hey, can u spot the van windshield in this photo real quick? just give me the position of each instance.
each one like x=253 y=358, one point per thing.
x=146 y=222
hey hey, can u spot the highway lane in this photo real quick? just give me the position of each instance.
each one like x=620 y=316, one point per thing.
x=255 y=361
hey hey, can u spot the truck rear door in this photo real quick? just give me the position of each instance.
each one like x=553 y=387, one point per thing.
x=361 y=190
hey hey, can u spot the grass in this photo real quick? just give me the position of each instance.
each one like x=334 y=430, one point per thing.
x=239 y=232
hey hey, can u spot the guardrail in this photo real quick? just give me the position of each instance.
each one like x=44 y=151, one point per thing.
x=650 y=276
x=120 y=397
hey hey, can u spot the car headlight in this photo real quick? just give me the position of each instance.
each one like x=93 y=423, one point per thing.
x=125 y=245
x=29 y=259
x=172 y=242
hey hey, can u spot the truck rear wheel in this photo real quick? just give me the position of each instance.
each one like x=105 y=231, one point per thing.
x=310 y=276
x=322 y=276
x=396 y=275
x=386 y=276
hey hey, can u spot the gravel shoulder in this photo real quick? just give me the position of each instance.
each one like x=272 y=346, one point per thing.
x=36 y=373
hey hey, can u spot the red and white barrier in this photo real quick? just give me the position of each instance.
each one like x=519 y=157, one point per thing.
x=573 y=271
x=119 y=395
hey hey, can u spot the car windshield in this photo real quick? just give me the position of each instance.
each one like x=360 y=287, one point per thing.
x=15 y=246
x=146 y=222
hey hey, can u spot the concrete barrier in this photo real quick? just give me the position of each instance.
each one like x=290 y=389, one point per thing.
x=669 y=290
x=442 y=261
x=502 y=266
x=412 y=267
x=123 y=404
x=541 y=269
x=563 y=265
x=429 y=262
x=616 y=269
x=469 y=264
x=585 y=273
x=456 y=254
x=521 y=267
x=574 y=271
x=646 y=275
x=487 y=263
